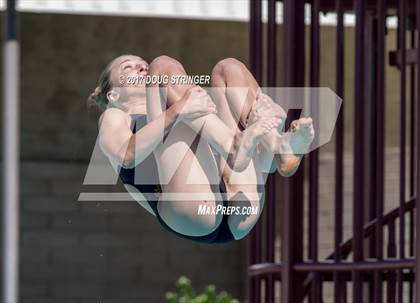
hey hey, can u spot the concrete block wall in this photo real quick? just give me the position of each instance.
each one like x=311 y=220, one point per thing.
x=106 y=251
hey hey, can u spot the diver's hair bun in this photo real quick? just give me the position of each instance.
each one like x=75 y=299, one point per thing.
x=98 y=98
x=95 y=94
x=97 y=91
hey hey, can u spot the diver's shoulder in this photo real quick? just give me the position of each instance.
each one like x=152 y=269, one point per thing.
x=113 y=115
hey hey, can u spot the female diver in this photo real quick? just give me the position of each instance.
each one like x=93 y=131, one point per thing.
x=187 y=176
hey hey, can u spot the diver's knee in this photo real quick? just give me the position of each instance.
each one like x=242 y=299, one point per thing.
x=188 y=218
x=164 y=63
x=239 y=231
x=241 y=223
x=228 y=65
x=239 y=234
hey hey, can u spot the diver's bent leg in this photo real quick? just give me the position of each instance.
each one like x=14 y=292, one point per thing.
x=188 y=218
x=230 y=73
x=245 y=188
x=234 y=146
x=241 y=223
x=186 y=186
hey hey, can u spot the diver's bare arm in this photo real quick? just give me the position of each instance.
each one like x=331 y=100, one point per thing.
x=122 y=146
x=128 y=149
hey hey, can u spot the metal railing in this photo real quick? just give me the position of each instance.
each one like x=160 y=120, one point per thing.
x=376 y=261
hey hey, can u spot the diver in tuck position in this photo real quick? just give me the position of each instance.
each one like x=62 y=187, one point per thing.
x=238 y=136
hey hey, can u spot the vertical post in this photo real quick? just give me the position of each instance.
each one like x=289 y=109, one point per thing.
x=271 y=43
x=402 y=50
x=11 y=157
x=270 y=186
x=380 y=147
x=412 y=150
x=316 y=295
x=255 y=56
x=339 y=283
x=371 y=138
x=292 y=229
x=417 y=250
x=255 y=46
x=359 y=194
x=392 y=253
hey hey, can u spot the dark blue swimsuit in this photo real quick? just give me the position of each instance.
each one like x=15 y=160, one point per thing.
x=148 y=184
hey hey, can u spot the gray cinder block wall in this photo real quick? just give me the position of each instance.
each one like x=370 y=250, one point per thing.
x=105 y=252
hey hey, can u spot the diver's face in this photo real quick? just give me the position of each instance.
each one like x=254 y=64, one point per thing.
x=128 y=71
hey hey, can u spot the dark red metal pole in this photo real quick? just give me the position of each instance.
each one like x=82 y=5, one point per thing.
x=292 y=231
x=380 y=147
x=392 y=253
x=270 y=185
x=339 y=284
x=316 y=293
x=359 y=159
x=417 y=250
x=412 y=150
x=255 y=47
x=402 y=50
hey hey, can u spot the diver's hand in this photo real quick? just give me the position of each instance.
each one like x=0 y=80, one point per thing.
x=265 y=107
x=195 y=103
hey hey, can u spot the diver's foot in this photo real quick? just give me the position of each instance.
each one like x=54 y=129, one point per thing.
x=300 y=135
x=246 y=142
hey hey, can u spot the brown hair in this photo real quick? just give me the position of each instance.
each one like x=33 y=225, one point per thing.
x=98 y=97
